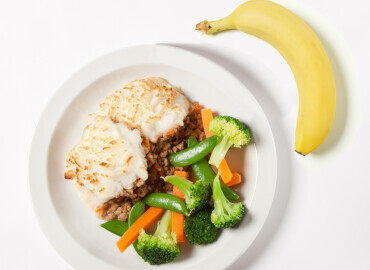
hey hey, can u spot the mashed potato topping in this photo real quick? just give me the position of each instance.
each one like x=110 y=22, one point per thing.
x=152 y=105
x=108 y=159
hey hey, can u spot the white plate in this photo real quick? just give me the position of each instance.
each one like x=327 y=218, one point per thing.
x=71 y=227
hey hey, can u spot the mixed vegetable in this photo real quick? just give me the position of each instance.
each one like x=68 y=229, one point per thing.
x=161 y=247
x=196 y=194
x=225 y=213
x=188 y=214
x=204 y=172
x=177 y=218
x=199 y=228
x=166 y=201
x=193 y=154
x=231 y=132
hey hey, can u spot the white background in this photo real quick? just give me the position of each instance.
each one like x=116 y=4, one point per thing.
x=320 y=215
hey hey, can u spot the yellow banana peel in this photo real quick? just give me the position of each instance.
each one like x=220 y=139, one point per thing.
x=306 y=56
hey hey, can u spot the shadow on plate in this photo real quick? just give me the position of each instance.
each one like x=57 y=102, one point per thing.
x=186 y=250
x=283 y=148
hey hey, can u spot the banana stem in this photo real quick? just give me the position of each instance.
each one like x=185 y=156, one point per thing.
x=210 y=28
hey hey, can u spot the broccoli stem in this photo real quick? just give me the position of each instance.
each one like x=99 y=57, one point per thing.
x=181 y=183
x=164 y=224
x=225 y=213
x=219 y=152
x=219 y=198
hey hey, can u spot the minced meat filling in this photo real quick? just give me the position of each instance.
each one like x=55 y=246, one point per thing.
x=158 y=165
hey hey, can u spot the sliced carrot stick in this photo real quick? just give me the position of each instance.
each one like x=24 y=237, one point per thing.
x=178 y=226
x=236 y=179
x=143 y=222
x=182 y=174
x=178 y=193
x=207 y=116
x=226 y=174
x=178 y=219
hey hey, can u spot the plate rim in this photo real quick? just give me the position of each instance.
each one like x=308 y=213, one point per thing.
x=33 y=163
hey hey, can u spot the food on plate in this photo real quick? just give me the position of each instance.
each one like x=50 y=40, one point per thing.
x=235 y=180
x=306 y=56
x=146 y=142
x=196 y=194
x=118 y=227
x=108 y=160
x=231 y=132
x=226 y=173
x=161 y=247
x=193 y=154
x=166 y=201
x=204 y=172
x=136 y=211
x=199 y=228
x=152 y=105
x=143 y=222
x=111 y=187
x=225 y=213
x=202 y=218
x=177 y=218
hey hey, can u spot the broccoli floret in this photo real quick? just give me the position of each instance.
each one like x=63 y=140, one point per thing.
x=225 y=213
x=161 y=247
x=231 y=132
x=199 y=229
x=196 y=195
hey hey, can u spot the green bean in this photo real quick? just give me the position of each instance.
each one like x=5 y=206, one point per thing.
x=136 y=211
x=166 y=201
x=117 y=227
x=204 y=172
x=192 y=141
x=193 y=154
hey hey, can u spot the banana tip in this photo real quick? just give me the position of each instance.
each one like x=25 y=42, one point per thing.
x=300 y=153
x=203 y=27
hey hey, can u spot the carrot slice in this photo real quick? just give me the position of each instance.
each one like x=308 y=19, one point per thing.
x=178 y=219
x=236 y=179
x=182 y=174
x=178 y=193
x=178 y=226
x=143 y=222
x=226 y=174
x=207 y=116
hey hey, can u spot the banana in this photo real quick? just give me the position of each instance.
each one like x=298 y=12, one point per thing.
x=306 y=56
